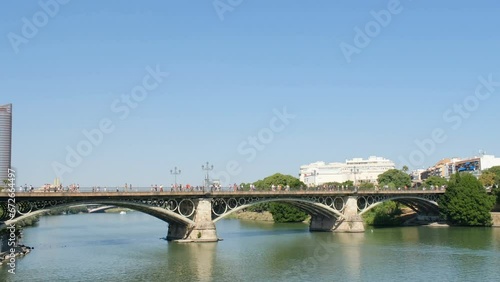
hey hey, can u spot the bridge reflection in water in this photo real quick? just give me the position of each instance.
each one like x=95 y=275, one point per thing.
x=192 y=215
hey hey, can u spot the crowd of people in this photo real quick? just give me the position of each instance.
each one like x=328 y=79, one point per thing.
x=50 y=188
x=214 y=187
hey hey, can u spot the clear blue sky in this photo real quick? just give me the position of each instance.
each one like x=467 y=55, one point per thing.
x=227 y=76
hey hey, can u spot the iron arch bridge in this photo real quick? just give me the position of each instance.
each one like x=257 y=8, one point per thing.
x=191 y=216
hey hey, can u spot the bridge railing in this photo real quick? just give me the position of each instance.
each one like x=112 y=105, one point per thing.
x=228 y=191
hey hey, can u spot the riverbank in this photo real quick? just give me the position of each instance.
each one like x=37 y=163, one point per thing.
x=118 y=210
x=18 y=251
x=264 y=216
x=256 y=216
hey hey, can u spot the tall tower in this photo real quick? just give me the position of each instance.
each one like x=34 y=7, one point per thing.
x=5 y=140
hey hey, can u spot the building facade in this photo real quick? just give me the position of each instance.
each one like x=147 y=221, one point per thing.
x=357 y=170
x=5 y=140
x=447 y=167
x=440 y=169
x=476 y=164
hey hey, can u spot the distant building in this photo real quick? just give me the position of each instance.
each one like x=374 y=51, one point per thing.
x=5 y=141
x=440 y=169
x=416 y=175
x=447 y=167
x=476 y=164
x=357 y=170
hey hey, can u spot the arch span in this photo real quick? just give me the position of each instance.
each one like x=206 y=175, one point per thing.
x=163 y=214
x=417 y=204
x=310 y=207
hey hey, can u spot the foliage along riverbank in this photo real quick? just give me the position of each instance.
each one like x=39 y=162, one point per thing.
x=254 y=216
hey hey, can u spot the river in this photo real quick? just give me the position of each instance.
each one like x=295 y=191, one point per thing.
x=114 y=247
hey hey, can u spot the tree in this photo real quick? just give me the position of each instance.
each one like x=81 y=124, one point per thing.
x=286 y=213
x=246 y=186
x=466 y=202
x=278 y=179
x=281 y=212
x=435 y=181
x=333 y=184
x=394 y=178
x=496 y=171
x=488 y=178
x=385 y=214
x=405 y=169
x=496 y=181
x=348 y=183
x=367 y=186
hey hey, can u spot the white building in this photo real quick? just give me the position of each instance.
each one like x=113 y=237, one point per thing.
x=356 y=170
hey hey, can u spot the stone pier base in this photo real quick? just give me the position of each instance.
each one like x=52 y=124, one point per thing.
x=352 y=223
x=204 y=229
x=176 y=232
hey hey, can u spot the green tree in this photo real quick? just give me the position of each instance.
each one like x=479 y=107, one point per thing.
x=488 y=178
x=405 y=169
x=385 y=214
x=246 y=186
x=394 y=178
x=367 y=186
x=348 y=183
x=278 y=179
x=496 y=171
x=286 y=213
x=435 y=181
x=282 y=212
x=466 y=202
x=333 y=184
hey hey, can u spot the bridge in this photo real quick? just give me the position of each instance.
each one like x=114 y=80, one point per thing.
x=191 y=216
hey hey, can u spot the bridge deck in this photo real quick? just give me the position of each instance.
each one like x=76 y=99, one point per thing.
x=28 y=195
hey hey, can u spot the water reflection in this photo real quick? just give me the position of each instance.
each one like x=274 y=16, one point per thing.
x=352 y=253
x=192 y=261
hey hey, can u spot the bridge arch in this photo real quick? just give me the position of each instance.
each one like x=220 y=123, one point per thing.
x=163 y=214
x=417 y=204
x=309 y=206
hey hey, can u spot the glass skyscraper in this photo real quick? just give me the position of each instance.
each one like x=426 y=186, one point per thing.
x=5 y=140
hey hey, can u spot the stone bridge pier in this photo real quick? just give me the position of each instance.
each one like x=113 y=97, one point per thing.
x=350 y=222
x=203 y=229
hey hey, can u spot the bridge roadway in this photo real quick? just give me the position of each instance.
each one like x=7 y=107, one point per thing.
x=192 y=215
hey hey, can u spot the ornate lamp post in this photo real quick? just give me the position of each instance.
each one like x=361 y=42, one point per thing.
x=207 y=167
x=314 y=173
x=354 y=171
x=175 y=172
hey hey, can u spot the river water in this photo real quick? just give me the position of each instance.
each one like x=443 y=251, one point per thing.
x=114 y=247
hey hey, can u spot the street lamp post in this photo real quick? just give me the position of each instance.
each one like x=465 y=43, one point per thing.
x=354 y=171
x=207 y=167
x=175 y=172
x=311 y=184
